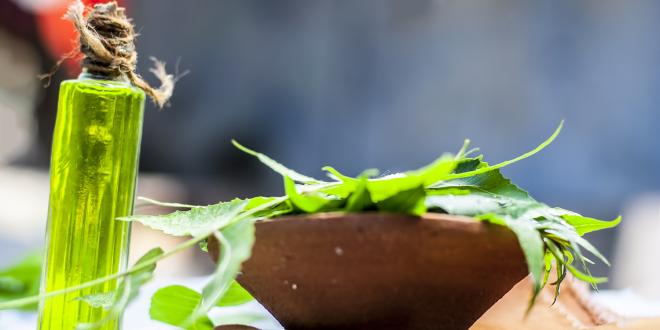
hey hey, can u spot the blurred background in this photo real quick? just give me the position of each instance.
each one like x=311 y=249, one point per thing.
x=358 y=84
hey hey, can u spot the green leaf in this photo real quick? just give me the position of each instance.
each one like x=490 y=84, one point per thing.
x=408 y=202
x=194 y=222
x=389 y=186
x=333 y=173
x=235 y=295
x=509 y=162
x=275 y=166
x=236 y=243
x=494 y=198
x=115 y=302
x=278 y=209
x=149 y=201
x=531 y=243
x=585 y=277
x=174 y=304
x=491 y=183
x=585 y=225
x=448 y=191
x=436 y=171
x=360 y=199
x=471 y=205
x=21 y=280
x=311 y=202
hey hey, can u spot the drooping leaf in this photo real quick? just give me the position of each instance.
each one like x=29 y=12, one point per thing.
x=21 y=280
x=235 y=295
x=585 y=225
x=236 y=243
x=194 y=222
x=531 y=243
x=493 y=197
x=174 y=304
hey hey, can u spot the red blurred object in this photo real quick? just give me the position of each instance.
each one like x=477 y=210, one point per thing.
x=59 y=36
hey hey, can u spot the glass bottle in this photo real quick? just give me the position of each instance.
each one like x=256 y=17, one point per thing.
x=93 y=173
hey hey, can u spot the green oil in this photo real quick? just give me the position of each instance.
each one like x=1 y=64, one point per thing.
x=92 y=182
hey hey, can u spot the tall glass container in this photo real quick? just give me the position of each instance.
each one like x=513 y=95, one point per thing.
x=93 y=173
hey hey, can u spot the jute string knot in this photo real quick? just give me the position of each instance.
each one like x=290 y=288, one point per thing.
x=107 y=42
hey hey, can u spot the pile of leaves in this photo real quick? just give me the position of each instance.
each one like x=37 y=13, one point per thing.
x=460 y=184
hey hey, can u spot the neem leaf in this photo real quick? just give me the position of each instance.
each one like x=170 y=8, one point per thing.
x=492 y=182
x=150 y=201
x=484 y=193
x=235 y=295
x=236 y=242
x=360 y=199
x=436 y=171
x=21 y=280
x=115 y=302
x=280 y=208
x=531 y=243
x=585 y=277
x=194 y=222
x=311 y=202
x=174 y=304
x=470 y=205
x=408 y=202
x=388 y=186
x=585 y=225
x=333 y=173
x=275 y=166
x=509 y=162
x=11 y=284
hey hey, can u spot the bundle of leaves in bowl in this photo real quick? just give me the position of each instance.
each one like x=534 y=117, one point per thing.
x=458 y=184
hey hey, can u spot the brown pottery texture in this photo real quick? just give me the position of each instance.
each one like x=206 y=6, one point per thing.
x=380 y=271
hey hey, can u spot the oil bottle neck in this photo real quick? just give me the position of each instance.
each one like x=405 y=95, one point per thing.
x=85 y=74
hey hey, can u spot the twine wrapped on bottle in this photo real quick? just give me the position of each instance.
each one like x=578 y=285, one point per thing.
x=107 y=42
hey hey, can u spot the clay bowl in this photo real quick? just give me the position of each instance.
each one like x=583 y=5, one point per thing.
x=380 y=271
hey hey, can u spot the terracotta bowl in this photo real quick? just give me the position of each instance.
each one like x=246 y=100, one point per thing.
x=380 y=271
